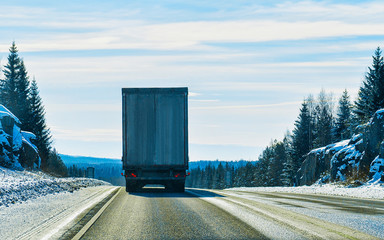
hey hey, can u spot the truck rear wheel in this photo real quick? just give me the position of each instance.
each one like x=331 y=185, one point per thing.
x=180 y=187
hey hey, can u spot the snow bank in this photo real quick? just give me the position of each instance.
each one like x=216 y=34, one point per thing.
x=371 y=191
x=19 y=186
x=5 y=112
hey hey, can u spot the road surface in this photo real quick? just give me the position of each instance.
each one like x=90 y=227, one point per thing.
x=202 y=214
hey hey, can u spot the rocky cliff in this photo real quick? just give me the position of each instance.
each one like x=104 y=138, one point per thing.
x=359 y=157
x=17 y=150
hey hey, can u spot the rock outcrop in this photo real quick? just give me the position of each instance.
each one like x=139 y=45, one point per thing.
x=362 y=154
x=17 y=150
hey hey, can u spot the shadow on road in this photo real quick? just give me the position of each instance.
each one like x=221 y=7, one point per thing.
x=158 y=192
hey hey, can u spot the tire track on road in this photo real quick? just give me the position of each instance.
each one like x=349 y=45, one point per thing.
x=309 y=227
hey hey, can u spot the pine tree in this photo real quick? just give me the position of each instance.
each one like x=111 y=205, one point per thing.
x=22 y=88
x=263 y=172
x=9 y=83
x=371 y=93
x=220 y=177
x=287 y=175
x=342 y=128
x=15 y=87
x=39 y=127
x=323 y=120
x=302 y=137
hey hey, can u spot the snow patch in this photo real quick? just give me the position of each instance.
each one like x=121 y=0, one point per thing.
x=5 y=112
x=371 y=190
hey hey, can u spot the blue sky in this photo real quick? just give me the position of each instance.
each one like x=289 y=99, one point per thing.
x=248 y=64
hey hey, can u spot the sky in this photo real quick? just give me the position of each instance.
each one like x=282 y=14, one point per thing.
x=248 y=64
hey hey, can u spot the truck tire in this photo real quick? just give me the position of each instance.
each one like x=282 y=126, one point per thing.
x=181 y=187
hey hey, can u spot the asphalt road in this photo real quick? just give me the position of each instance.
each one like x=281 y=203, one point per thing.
x=156 y=214
x=201 y=214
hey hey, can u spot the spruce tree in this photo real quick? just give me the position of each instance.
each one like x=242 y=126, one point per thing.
x=220 y=177
x=279 y=160
x=15 y=87
x=9 y=83
x=323 y=120
x=301 y=137
x=342 y=128
x=22 y=89
x=39 y=127
x=371 y=93
x=264 y=167
x=287 y=175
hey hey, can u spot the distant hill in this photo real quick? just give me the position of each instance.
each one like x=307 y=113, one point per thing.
x=81 y=160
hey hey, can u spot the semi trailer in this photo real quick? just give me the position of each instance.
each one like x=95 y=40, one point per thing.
x=155 y=137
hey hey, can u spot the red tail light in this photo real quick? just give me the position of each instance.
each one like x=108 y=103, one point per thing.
x=177 y=175
x=122 y=174
x=133 y=175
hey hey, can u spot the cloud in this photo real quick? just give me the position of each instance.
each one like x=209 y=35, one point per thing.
x=87 y=135
x=108 y=31
x=247 y=106
x=204 y=100
x=78 y=107
x=194 y=35
x=193 y=94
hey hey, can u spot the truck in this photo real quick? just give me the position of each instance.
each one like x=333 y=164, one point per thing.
x=155 y=137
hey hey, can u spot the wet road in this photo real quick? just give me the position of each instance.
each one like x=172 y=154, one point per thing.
x=202 y=214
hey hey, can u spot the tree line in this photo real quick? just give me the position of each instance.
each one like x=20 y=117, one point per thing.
x=22 y=97
x=319 y=123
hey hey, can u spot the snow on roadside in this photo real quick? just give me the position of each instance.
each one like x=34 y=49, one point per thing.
x=371 y=191
x=20 y=186
x=48 y=217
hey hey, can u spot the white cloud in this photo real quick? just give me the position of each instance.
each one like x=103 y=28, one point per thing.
x=193 y=94
x=78 y=107
x=193 y=35
x=122 y=29
x=87 y=135
x=246 y=106
x=204 y=100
